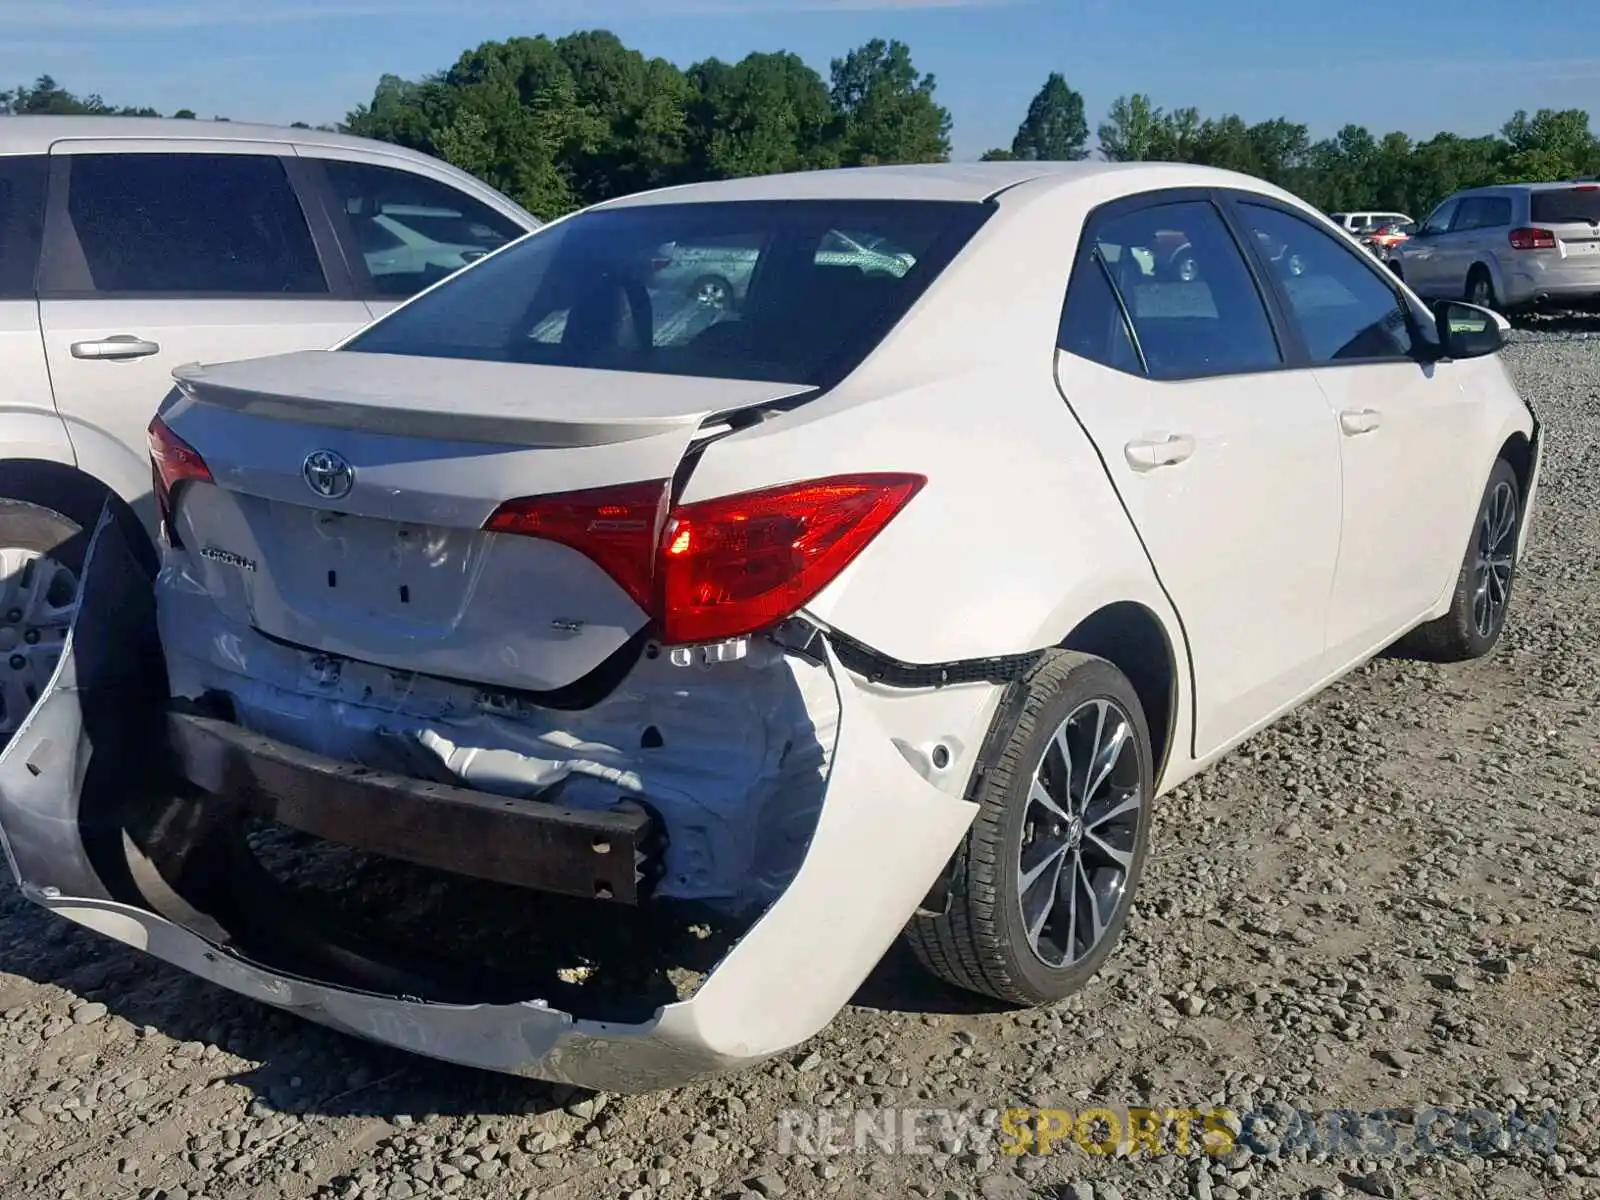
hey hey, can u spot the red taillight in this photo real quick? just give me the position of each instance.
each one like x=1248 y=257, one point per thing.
x=172 y=461
x=615 y=527
x=1532 y=239
x=736 y=564
x=718 y=568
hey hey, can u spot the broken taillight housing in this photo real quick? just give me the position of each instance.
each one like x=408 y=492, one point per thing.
x=172 y=461
x=724 y=567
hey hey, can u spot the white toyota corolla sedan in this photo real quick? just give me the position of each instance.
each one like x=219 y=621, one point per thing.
x=883 y=603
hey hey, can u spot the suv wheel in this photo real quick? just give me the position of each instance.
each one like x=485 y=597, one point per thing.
x=41 y=558
x=1480 y=288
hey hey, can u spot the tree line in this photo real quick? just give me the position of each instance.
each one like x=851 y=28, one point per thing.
x=559 y=123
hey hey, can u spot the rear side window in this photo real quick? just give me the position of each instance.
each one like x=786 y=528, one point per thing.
x=1482 y=212
x=786 y=291
x=1344 y=310
x=199 y=224
x=1194 y=307
x=411 y=231
x=22 y=182
x=1092 y=321
x=1565 y=205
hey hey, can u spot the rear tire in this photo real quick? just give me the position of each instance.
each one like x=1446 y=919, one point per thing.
x=1482 y=596
x=1027 y=934
x=41 y=566
x=1480 y=288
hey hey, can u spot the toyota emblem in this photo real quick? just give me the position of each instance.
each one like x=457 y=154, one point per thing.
x=328 y=474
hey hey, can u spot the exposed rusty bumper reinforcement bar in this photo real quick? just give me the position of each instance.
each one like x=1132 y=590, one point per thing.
x=575 y=852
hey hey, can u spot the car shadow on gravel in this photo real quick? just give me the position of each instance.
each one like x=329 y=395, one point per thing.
x=300 y=1067
x=901 y=984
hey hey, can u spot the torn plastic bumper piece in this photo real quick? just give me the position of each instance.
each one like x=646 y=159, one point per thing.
x=97 y=742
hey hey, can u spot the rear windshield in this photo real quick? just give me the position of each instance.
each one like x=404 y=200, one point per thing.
x=788 y=291
x=1571 y=204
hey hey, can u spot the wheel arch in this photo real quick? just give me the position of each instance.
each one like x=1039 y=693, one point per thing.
x=75 y=494
x=1132 y=638
x=1517 y=450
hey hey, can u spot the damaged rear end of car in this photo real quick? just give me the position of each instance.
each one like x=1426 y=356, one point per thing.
x=446 y=723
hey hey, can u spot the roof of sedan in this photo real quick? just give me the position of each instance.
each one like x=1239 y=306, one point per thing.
x=35 y=135
x=973 y=182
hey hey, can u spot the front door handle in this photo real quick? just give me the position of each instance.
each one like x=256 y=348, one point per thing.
x=1360 y=420
x=1146 y=455
x=117 y=346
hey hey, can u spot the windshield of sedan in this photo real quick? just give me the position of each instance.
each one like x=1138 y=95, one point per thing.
x=786 y=291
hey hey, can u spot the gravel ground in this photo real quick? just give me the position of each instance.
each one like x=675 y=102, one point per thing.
x=1387 y=901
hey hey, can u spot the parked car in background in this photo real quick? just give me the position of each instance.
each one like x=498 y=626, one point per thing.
x=1384 y=238
x=1359 y=223
x=715 y=272
x=1509 y=247
x=885 y=602
x=130 y=246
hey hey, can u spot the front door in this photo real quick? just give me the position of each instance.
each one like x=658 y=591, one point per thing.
x=1226 y=460
x=1399 y=420
x=165 y=252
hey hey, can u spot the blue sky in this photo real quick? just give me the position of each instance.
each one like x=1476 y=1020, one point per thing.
x=1419 y=66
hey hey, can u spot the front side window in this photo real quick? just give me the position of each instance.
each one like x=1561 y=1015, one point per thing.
x=1195 y=310
x=204 y=224
x=783 y=291
x=412 y=231
x=22 y=181
x=1439 y=219
x=1344 y=310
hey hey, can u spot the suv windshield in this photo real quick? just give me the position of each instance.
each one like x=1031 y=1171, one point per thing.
x=1565 y=205
x=786 y=291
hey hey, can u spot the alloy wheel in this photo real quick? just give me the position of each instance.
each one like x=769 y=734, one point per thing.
x=1496 y=545
x=1079 y=833
x=38 y=600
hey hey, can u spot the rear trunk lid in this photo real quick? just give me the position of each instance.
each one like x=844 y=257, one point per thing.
x=349 y=494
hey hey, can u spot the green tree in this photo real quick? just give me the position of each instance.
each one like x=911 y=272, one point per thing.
x=885 y=111
x=1055 y=129
x=1134 y=130
x=997 y=156
x=765 y=114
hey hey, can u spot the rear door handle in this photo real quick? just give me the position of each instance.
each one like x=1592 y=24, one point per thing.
x=117 y=346
x=1149 y=454
x=1360 y=420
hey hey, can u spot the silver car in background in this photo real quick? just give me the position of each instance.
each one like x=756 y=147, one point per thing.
x=1509 y=247
x=715 y=272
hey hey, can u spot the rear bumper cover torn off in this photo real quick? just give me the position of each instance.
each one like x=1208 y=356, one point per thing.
x=98 y=739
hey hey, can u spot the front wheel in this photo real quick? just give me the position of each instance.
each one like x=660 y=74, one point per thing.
x=1482 y=594
x=1043 y=884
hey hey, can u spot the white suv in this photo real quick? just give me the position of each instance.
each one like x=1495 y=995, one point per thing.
x=131 y=246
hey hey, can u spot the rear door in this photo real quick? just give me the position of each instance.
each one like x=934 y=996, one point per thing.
x=1401 y=428
x=161 y=252
x=403 y=226
x=1226 y=460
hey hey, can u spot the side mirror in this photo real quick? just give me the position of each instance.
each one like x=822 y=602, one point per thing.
x=1468 y=331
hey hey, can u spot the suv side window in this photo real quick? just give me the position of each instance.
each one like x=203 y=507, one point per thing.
x=197 y=224
x=1344 y=309
x=22 y=182
x=1180 y=275
x=1439 y=219
x=409 y=230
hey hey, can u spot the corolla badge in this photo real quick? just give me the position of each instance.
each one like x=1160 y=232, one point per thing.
x=328 y=474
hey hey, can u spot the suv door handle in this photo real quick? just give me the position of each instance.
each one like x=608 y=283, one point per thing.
x=117 y=346
x=1360 y=420
x=1149 y=454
